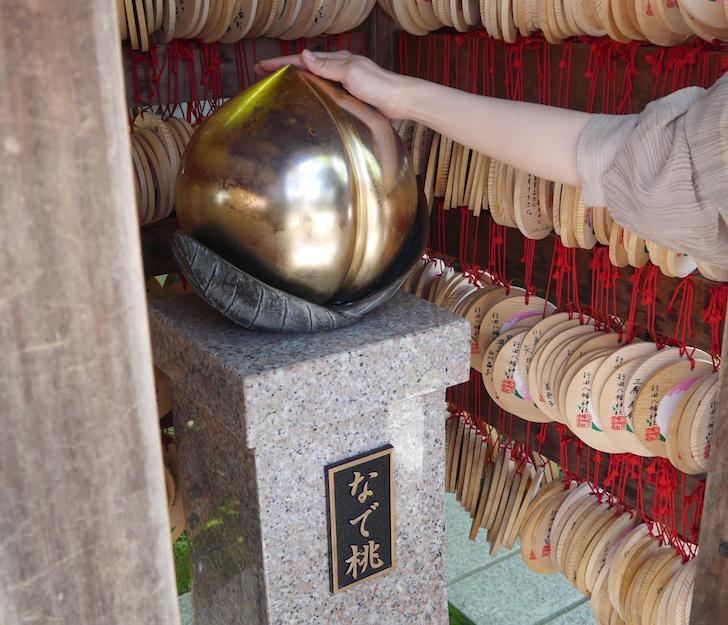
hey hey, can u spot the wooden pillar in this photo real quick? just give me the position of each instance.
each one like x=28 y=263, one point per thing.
x=710 y=601
x=84 y=535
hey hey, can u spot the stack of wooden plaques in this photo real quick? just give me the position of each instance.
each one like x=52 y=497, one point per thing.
x=559 y=367
x=662 y=22
x=537 y=207
x=147 y=21
x=492 y=481
x=156 y=149
x=608 y=555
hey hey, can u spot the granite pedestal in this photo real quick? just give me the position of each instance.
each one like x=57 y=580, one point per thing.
x=258 y=416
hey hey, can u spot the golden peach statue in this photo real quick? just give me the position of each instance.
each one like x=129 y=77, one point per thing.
x=298 y=207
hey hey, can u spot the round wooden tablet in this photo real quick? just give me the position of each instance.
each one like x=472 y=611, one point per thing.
x=148 y=208
x=652 y=27
x=505 y=382
x=489 y=358
x=535 y=370
x=455 y=286
x=680 y=265
x=660 y=580
x=606 y=16
x=504 y=465
x=534 y=335
x=603 y=546
x=509 y=312
x=507 y=23
x=549 y=22
x=637 y=253
x=578 y=551
x=159 y=164
x=622 y=355
x=568 y=216
x=532 y=489
x=556 y=351
x=305 y=21
x=546 y=493
x=709 y=13
x=678 y=437
x=287 y=14
x=646 y=369
x=469 y=301
x=602 y=225
x=506 y=194
x=578 y=526
x=625 y=16
x=574 y=503
x=459 y=295
x=413 y=275
x=664 y=600
x=556 y=207
x=433 y=268
x=681 y=595
x=701 y=428
x=425 y=14
x=578 y=409
x=582 y=544
x=537 y=554
x=630 y=556
x=475 y=314
x=570 y=531
x=712 y=272
x=572 y=370
x=140 y=185
x=533 y=221
x=531 y=341
x=447 y=275
x=602 y=609
x=636 y=598
x=568 y=23
x=657 y=399
x=589 y=19
x=668 y=13
x=617 y=252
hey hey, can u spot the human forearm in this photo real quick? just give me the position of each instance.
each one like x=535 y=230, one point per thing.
x=535 y=138
x=539 y=139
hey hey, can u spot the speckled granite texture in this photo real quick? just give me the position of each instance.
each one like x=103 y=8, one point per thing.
x=257 y=418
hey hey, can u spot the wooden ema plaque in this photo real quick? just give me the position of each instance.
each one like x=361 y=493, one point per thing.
x=361 y=518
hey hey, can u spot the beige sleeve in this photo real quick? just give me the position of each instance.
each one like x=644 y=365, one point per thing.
x=662 y=173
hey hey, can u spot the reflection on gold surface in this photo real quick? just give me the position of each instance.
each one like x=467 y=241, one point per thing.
x=301 y=185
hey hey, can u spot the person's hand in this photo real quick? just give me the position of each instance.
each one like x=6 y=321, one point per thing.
x=360 y=76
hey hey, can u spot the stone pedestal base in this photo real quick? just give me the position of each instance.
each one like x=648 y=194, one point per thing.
x=258 y=416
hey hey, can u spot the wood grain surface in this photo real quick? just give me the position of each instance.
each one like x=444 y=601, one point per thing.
x=84 y=535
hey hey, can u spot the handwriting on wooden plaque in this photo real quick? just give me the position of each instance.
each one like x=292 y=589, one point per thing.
x=361 y=517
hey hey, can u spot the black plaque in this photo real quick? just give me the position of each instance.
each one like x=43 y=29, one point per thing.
x=361 y=517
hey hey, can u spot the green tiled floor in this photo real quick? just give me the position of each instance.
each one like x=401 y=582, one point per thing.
x=493 y=591
x=501 y=590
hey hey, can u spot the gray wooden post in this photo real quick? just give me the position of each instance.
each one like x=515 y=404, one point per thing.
x=84 y=535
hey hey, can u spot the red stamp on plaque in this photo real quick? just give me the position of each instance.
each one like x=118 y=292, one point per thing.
x=583 y=420
x=546 y=551
x=652 y=433
x=706 y=451
x=619 y=422
x=474 y=348
x=532 y=556
x=508 y=386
